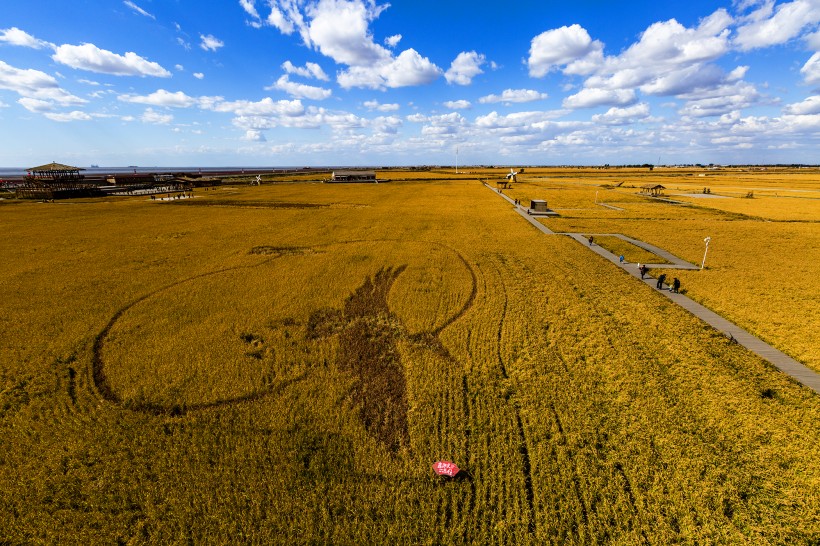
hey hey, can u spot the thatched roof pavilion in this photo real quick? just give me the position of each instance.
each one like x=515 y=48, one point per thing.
x=54 y=173
x=653 y=190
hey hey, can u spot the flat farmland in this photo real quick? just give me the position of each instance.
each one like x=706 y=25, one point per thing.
x=283 y=363
x=764 y=251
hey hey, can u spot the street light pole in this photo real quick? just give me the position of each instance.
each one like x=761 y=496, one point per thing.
x=706 y=240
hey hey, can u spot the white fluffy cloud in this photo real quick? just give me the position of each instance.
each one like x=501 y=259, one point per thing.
x=30 y=83
x=250 y=9
x=392 y=41
x=719 y=100
x=15 y=36
x=343 y=124
x=813 y=40
x=90 y=57
x=769 y=26
x=38 y=106
x=340 y=30
x=161 y=97
x=623 y=116
x=253 y=135
x=668 y=59
x=300 y=90
x=408 y=69
x=210 y=42
x=514 y=96
x=591 y=97
x=264 y=107
x=532 y=119
x=810 y=105
x=156 y=118
x=684 y=80
x=441 y=126
x=375 y=105
x=465 y=67
x=561 y=46
x=457 y=104
x=664 y=49
x=76 y=115
x=811 y=70
x=310 y=70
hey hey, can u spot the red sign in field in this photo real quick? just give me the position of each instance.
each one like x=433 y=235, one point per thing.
x=445 y=468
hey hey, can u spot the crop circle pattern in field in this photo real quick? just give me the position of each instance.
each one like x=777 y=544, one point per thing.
x=236 y=334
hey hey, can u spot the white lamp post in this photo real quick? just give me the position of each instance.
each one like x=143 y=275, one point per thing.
x=706 y=240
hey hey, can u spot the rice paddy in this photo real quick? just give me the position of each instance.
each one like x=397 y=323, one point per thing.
x=283 y=363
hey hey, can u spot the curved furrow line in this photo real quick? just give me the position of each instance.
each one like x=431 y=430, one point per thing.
x=100 y=380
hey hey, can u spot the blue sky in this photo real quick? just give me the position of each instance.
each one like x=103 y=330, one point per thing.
x=360 y=82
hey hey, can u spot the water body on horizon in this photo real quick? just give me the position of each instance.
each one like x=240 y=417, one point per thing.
x=17 y=172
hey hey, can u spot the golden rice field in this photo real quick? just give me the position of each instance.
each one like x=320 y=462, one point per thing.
x=632 y=253
x=764 y=254
x=282 y=365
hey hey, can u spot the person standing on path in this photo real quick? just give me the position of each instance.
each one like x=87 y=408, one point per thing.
x=675 y=285
x=642 y=269
x=661 y=278
x=590 y=240
x=621 y=258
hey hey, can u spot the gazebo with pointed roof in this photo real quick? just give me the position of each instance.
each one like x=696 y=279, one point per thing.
x=54 y=173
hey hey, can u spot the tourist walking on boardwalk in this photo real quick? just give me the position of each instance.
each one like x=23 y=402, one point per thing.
x=590 y=240
x=675 y=285
x=661 y=278
x=642 y=269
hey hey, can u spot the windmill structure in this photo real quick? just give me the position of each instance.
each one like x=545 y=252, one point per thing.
x=512 y=175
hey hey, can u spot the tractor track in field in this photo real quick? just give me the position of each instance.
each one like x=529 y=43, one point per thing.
x=594 y=308
x=470 y=299
x=601 y=317
x=523 y=449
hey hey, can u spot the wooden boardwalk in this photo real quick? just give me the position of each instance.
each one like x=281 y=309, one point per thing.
x=782 y=361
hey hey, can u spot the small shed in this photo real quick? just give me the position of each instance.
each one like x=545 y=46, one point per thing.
x=354 y=176
x=538 y=205
x=652 y=190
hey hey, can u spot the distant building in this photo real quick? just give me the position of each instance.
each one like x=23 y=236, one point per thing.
x=138 y=179
x=54 y=174
x=55 y=181
x=354 y=176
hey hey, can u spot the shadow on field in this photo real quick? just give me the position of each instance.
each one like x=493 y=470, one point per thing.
x=368 y=349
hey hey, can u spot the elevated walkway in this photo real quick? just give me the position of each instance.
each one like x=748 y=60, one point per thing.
x=779 y=359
